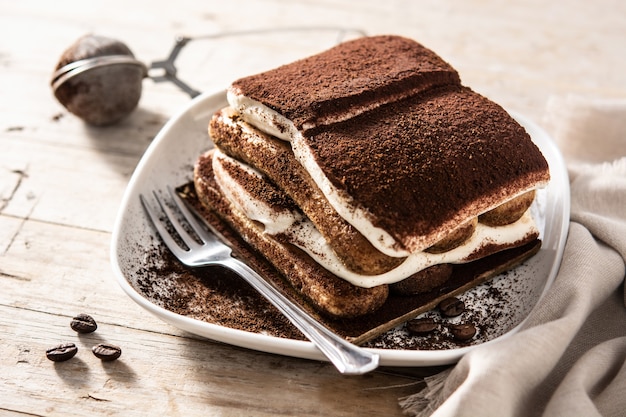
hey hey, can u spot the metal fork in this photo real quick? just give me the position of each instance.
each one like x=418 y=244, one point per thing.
x=348 y=358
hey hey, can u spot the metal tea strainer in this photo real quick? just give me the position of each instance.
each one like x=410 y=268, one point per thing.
x=99 y=79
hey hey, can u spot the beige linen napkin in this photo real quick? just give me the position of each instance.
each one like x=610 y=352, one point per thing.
x=569 y=359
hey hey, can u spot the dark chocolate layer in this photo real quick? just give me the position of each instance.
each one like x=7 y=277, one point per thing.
x=426 y=164
x=348 y=78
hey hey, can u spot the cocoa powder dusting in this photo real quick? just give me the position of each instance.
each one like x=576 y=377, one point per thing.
x=213 y=295
x=310 y=89
x=217 y=296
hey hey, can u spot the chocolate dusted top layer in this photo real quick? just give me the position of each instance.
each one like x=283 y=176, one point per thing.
x=348 y=79
x=425 y=164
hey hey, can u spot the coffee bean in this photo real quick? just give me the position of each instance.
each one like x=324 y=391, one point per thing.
x=451 y=307
x=421 y=327
x=62 y=352
x=83 y=323
x=463 y=331
x=106 y=352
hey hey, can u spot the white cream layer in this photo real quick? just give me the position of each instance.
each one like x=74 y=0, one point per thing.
x=302 y=233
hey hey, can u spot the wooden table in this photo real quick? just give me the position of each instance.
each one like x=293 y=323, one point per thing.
x=61 y=183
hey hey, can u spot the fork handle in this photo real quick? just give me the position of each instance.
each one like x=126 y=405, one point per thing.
x=348 y=358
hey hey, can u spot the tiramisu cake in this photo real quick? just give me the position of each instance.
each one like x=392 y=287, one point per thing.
x=372 y=180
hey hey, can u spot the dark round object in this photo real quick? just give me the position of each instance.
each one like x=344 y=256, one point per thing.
x=99 y=80
x=451 y=307
x=421 y=326
x=107 y=352
x=463 y=331
x=83 y=323
x=62 y=352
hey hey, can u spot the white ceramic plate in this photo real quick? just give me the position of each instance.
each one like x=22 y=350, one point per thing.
x=169 y=161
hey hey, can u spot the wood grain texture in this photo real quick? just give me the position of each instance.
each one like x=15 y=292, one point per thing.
x=61 y=183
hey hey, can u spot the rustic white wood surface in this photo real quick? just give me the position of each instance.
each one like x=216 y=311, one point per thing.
x=61 y=183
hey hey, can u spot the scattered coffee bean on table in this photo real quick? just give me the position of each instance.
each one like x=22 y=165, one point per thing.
x=62 y=352
x=106 y=352
x=83 y=323
x=421 y=327
x=463 y=331
x=451 y=307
